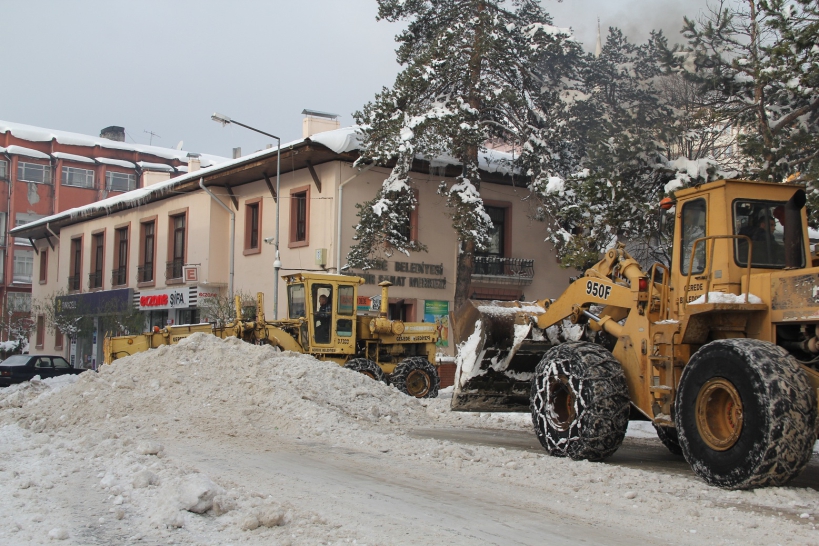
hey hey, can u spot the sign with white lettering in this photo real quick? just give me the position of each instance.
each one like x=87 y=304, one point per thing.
x=163 y=299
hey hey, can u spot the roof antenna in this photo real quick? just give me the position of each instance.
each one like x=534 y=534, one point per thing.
x=151 y=140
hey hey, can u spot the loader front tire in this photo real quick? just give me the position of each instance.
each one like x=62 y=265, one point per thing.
x=579 y=401
x=745 y=414
x=416 y=376
x=367 y=367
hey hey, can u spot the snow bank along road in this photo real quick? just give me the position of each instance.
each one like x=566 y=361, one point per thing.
x=221 y=442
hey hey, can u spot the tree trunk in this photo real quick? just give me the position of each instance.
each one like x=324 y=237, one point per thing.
x=466 y=256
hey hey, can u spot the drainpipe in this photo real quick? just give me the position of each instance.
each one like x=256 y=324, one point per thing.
x=232 y=232
x=6 y=239
x=340 y=200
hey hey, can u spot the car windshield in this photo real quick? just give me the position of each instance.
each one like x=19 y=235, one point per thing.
x=16 y=360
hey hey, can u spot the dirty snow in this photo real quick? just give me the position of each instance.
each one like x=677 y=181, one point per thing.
x=222 y=442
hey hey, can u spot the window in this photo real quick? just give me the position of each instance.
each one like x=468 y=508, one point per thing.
x=97 y=260
x=497 y=232
x=115 y=181
x=43 y=266
x=253 y=225
x=692 y=227
x=763 y=222
x=177 y=247
x=33 y=172
x=323 y=312
x=410 y=229
x=40 y=331
x=58 y=339
x=3 y=229
x=295 y=301
x=81 y=178
x=119 y=276
x=23 y=266
x=147 y=251
x=19 y=302
x=21 y=219
x=346 y=306
x=300 y=216
x=75 y=265
x=4 y=170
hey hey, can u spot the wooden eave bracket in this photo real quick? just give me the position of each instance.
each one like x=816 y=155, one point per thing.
x=314 y=175
x=48 y=240
x=271 y=188
x=34 y=246
x=232 y=197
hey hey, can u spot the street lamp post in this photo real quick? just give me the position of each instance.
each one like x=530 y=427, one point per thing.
x=277 y=264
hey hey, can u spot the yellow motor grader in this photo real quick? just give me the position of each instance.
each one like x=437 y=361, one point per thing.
x=720 y=350
x=323 y=322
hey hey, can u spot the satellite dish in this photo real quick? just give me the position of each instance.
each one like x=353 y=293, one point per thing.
x=179 y=146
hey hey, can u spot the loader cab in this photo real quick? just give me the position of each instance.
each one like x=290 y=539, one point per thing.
x=718 y=223
x=327 y=305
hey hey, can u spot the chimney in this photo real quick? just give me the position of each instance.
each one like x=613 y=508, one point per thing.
x=237 y=153
x=318 y=122
x=114 y=132
x=194 y=163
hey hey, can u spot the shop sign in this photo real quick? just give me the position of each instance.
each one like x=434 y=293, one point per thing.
x=95 y=303
x=163 y=299
x=438 y=312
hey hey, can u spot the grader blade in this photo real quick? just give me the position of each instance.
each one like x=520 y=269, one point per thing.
x=497 y=360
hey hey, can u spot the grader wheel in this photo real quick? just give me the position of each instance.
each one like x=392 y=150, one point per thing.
x=745 y=414
x=416 y=376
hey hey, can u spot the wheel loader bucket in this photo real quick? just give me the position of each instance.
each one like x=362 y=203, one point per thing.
x=497 y=355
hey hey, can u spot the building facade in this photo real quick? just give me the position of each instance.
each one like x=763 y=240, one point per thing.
x=44 y=172
x=173 y=245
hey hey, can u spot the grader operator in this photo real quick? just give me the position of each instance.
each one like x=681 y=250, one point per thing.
x=719 y=351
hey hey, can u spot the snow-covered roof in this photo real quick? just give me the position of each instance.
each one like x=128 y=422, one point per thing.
x=21 y=150
x=72 y=157
x=40 y=134
x=344 y=140
x=115 y=162
x=148 y=166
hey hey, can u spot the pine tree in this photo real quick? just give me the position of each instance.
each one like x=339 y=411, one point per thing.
x=758 y=63
x=619 y=127
x=474 y=70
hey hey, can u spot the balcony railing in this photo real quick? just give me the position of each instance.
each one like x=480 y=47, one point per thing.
x=145 y=273
x=498 y=270
x=119 y=276
x=74 y=283
x=95 y=280
x=173 y=269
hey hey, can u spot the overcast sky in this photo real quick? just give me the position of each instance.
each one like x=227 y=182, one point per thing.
x=165 y=66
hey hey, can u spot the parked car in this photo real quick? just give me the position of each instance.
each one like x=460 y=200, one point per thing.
x=19 y=368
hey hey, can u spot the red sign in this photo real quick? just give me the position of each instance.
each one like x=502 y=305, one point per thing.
x=153 y=301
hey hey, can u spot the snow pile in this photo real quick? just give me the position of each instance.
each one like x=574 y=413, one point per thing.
x=190 y=445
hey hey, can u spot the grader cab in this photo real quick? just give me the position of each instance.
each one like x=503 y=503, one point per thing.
x=720 y=350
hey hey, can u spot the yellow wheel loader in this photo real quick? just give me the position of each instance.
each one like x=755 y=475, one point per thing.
x=323 y=322
x=719 y=350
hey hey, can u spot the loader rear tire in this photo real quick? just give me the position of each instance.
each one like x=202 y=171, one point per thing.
x=367 y=367
x=416 y=376
x=746 y=414
x=579 y=401
x=670 y=438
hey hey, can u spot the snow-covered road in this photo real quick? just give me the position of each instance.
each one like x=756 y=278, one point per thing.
x=220 y=442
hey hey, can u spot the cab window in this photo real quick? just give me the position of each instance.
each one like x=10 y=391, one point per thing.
x=346 y=307
x=295 y=300
x=763 y=222
x=323 y=312
x=692 y=227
